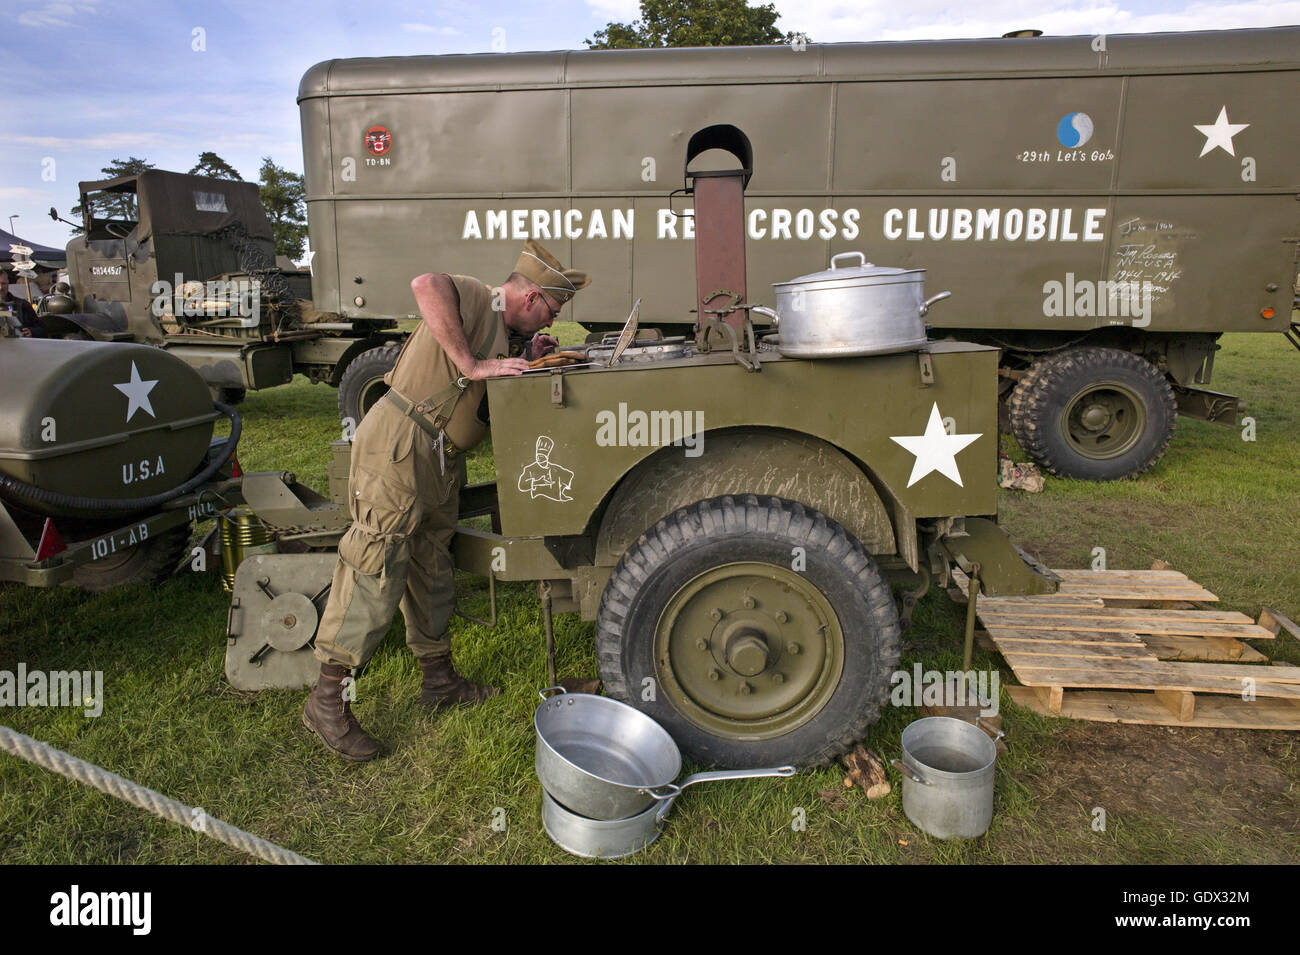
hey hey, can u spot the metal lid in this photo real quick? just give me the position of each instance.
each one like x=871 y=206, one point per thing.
x=863 y=270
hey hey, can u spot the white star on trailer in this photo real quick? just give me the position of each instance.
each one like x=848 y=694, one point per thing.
x=137 y=393
x=1218 y=135
x=936 y=450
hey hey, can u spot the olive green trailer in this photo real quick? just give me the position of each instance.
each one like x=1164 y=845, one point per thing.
x=1102 y=208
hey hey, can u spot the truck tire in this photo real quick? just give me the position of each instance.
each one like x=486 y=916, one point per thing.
x=756 y=631
x=231 y=396
x=1097 y=414
x=145 y=563
x=362 y=383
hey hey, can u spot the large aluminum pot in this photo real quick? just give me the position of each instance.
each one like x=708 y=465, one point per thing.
x=605 y=760
x=852 y=310
x=613 y=838
x=947 y=772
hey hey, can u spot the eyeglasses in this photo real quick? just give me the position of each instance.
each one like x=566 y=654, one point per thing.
x=554 y=312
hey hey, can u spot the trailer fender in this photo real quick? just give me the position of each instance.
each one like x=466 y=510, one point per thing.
x=767 y=461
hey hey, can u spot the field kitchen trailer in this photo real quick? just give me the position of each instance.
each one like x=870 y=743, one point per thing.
x=1102 y=208
x=723 y=510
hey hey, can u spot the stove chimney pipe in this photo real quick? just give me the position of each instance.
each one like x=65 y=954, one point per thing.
x=719 y=225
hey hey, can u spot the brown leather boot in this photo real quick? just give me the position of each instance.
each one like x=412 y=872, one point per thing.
x=329 y=716
x=443 y=686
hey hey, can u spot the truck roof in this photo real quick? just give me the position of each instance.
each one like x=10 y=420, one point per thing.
x=1207 y=51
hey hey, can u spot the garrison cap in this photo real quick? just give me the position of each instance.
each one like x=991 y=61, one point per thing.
x=539 y=266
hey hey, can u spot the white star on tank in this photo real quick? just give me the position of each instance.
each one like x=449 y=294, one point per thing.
x=936 y=450
x=137 y=393
x=1218 y=135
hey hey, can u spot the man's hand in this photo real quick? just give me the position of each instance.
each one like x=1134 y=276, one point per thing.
x=494 y=367
x=541 y=345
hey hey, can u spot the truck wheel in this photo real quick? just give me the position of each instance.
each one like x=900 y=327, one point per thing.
x=145 y=563
x=756 y=631
x=362 y=383
x=1097 y=414
x=231 y=396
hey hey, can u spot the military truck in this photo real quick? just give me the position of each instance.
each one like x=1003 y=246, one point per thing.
x=1104 y=207
x=188 y=263
x=732 y=518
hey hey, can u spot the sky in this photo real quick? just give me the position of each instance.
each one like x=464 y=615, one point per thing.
x=88 y=81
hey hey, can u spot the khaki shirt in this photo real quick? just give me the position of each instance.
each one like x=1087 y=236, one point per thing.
x=424 y=369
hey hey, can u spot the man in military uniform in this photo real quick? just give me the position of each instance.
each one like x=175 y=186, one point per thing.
x=403 y=487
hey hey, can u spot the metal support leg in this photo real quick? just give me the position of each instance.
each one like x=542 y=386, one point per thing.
x=492 y=605
x=971 y=601
x=544 y=591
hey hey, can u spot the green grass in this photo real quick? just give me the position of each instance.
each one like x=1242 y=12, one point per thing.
x=1218 y=508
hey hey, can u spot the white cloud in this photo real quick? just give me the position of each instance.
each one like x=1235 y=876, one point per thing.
x=20 y=193
x=57 y=14
x=834 y=21
x=426 y=28
x=136 y=139
x=618 y=11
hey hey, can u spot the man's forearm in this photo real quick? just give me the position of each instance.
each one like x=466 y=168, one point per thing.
x=436 y=297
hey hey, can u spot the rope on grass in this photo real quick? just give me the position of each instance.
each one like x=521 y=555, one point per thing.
x=55 y=760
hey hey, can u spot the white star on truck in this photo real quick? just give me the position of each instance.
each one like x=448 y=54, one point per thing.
x=1218 y=135
x=936 y=450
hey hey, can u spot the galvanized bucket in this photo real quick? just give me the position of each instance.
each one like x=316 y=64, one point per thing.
x=947 y=772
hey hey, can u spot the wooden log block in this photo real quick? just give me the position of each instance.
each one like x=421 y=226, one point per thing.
x=866 y=770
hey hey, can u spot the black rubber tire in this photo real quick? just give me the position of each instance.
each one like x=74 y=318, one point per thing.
x=359 y=380
x=231 y=396
x=1037 y=405
x=724 y=530
x=145 y=563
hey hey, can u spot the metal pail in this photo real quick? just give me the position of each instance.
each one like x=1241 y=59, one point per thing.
x=947 y=772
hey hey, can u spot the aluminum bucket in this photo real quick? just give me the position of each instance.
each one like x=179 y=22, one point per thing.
x=947 y=772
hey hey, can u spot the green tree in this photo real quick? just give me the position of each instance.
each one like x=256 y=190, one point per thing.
x=114 y=205
x=694 y=23
x=210 y=164
x=284 y=196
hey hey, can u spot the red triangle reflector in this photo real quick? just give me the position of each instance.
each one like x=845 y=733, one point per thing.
x=51 y=541
x=235 y=469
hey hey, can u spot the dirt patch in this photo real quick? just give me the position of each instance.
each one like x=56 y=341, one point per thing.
x=1233 y=784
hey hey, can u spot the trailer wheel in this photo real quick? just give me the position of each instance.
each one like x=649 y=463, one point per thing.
x=1097 y=414
x=362 y=383
x=145 y=563
x=230 y=396
x=758 y=632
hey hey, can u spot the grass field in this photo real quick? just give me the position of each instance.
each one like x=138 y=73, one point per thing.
x=1221 y=509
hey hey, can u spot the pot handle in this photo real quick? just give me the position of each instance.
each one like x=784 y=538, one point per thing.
x=862 y=259
x=769 y=312
x=670 y=791
x=925 y=306
x=1001 y=736
x=910 y=773
x=547 y=689
x=667 y=799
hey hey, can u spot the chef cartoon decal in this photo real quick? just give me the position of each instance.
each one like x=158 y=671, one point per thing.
x=542 y=478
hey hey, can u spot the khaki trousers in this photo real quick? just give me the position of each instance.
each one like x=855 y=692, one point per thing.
x=397 y=551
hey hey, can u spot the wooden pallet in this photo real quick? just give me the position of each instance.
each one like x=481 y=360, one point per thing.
x=1131 y=647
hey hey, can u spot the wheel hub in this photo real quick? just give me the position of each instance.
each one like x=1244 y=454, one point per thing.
x=747 y=653
x=1096 y=417
x=1104 y=420
x=748 y=650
